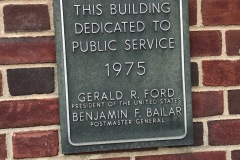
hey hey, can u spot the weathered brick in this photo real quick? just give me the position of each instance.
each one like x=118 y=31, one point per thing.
x=27 y=50
x=198 y=133
x=214 y=155
x=207 y=104
x=236 y=155
x=26 y=18
x=205 y=43
x=194 y=74
x=3 y=150
x=27 y=113
x=220 y=12
x=119 y=158
x=224 y=132
x=35 y=144
x=234 y=101
x=221 y=73
x=192 y=12
x=232 y=42
x=1 y=84
x=28 y=81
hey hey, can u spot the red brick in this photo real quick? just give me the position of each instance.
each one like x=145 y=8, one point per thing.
x=27 y=113
x=120 y=158
x=1 y=85
x=232 y=42
x=205 y=43
x=198 y=133
x=221 y=73
x=3 y=150
x=35 y=144
x=234 y=101
x=220 y=12
x=192 y=12
x=217 y=155
x=194 y=74
x=27 y=81
x=207 y=104
x=26 y=18
x=236 y=155
x=224 y=132
x=27 y=50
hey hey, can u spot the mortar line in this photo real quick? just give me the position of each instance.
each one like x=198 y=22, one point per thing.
x=212 y=88
x=50 y=9
x=29 y=97
x=225 y=101
x=1 y=20
x=224 y=46
x=9 y=146
x=48 y=33
x=22 y=2
x=27 y=129
x=228 y=154
x=214 y=28
x=199 y=13
x=200 y=73
x=205 y=133
x=59 y=144
x=217 y=118
x=213 y=58
x=36 y=65
x=5 y=88
x=55 y=81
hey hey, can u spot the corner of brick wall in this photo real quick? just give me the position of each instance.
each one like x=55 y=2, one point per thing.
x=29 y=111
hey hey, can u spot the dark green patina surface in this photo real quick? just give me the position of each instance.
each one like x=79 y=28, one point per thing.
x=146 y=104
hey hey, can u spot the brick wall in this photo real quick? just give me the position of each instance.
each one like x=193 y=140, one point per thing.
x=29 y=116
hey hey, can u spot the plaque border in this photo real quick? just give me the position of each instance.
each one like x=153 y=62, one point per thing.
x=126 y=140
